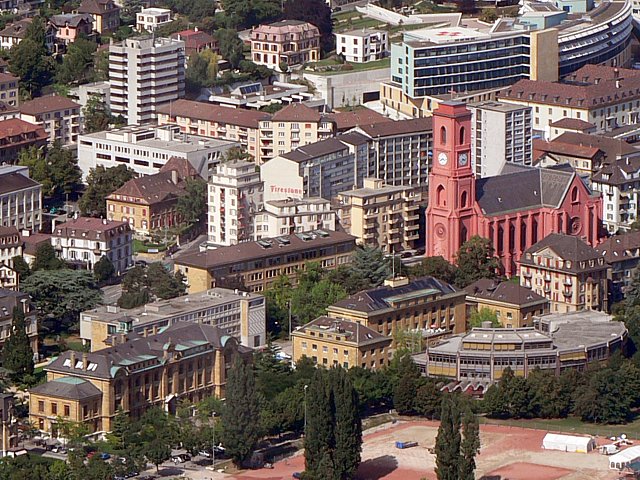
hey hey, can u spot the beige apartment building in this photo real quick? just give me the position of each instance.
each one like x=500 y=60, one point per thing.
x=290 y=42
x=382 y=216
x=59 y=116
x=567 y=271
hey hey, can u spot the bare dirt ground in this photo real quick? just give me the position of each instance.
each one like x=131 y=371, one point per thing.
x=507 y=453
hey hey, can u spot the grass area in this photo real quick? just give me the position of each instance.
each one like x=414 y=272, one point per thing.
x=143 y=247
x=572 y=425
x=357 y=67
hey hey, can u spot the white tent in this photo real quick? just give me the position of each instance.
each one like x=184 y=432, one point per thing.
x=568 y=443
x=624 y=458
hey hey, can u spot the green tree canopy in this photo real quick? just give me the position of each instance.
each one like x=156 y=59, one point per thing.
x=230 y=45
x=476 y=260
x=102 y=182
x=56 y=169
x=77 y=64
x=46 y=258
x=316 y=12
x=436 y=267
x=30 y=61
x=17 y=354
x=192 y=206
x=97 y=116
x=104 y=270
x=370 y=264
x=241 y=14
x=485 y=314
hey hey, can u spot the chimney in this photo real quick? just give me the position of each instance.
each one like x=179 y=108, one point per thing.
x=25 y=308
x=174 y=177
x=618 y=84
x=85 y=361
x=73 y=359
x=104 y=221
x=616 y=73
x=195 y=29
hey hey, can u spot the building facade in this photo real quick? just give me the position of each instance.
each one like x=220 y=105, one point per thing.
x=361 y=46
x=254 y=266
x=68 y=27
x=239 y=314
x=567 y=271
x=286 y=217
x=9 y=300
x=186 y=361
x=289 y=42
x=59 y=116
x=500 y=134
x=149 y=19
x=10 y=246
x=16 y=135
x=105 y=14
x=85 y=240
x=20 y=199
x=9 y=89
x=622 y=253
x=382 y=216
x=145 y=73
x=330 y=342
x=545 y=201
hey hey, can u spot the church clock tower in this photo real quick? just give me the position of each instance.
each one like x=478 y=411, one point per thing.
x=451 y=215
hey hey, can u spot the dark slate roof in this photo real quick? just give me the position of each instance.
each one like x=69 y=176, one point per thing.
x=68 y=387
x=150 y=189
x=71 y=19
x=316 y=149
x=10 y=299
x=619 y=248
x=400 y=127
x=13 y=182
x=507 y=292
x=567 y=247
x=617 y=171
x=378 y=298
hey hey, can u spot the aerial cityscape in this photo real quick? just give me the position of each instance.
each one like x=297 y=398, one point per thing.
x=320 y=239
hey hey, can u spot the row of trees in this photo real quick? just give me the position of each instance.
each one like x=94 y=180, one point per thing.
x=142 y=285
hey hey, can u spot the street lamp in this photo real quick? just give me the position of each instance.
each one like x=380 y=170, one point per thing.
x=213 y=441
x=305 y=410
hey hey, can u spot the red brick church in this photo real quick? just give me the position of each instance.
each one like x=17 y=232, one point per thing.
x=515 y=209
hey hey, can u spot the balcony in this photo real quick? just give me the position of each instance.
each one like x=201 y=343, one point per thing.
x=567 y=281
x=410 y=208
x=547 y=278
x=411 y=237
x=412 y=227
x=526 y=274
x=412 y=218
x=547 y=289
x=567 y=293
x=394 y=231
x=369 y=236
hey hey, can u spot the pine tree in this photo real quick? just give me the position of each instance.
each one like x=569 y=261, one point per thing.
x=470 y=445
x=120 y=430
x=318 y=439
x=348 y=427
x=17 y=355
x=448 y=441
x=404 y=394
x=240 y=433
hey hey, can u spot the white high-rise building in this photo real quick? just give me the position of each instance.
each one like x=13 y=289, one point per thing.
x=145 y=73
x=500 y=134
x=236 y=193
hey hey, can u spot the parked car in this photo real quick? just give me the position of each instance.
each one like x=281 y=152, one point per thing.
x=297 y=475
x=180 y=458
x=105 y=456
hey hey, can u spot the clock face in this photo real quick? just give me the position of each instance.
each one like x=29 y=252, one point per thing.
x=463 y=158
x=442 y=158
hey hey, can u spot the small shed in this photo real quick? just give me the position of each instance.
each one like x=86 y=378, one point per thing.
x=568 y=443
x=623 y=459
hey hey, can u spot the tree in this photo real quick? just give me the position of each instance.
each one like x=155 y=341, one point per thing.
x=370 y=264
x=428 y=399
x=46 y=258
x=121 y=431
x=157 y=432
x=404 y=394
x=56 y=169
x=77 y=64
x=241 y=14
x=202 y=69
x=97 y=116
x=21 y=267
x=135 y=288
x=102 y=182
x=470 y=445
x=478 y=317
x=30 y=61
x=604 y=398
x=192 y=206
x=311 y=299
x=240 y=433
x=448 y=441
x=230 y=46
x=348 y=426
x=436 y=267
x=235 y=154
x=475 y=260
x=17 y=354
x=163 y=284
x=316 y=12
x=103 y=270
x=489 y=15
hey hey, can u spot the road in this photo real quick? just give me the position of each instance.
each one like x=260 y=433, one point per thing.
x=111 y=294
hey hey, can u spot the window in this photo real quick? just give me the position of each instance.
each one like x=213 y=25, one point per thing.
x=41 y=406
x=443 y=135
x=67 y=411
x=54 y=409
x=461 y=139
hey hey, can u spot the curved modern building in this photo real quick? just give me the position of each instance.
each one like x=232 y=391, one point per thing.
x=547 y=41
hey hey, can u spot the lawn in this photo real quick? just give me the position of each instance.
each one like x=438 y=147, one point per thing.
x=573 y=425
x=357 y=67
x=143 y=247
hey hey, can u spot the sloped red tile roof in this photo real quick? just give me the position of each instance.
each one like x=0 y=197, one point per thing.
x=213 y=113
x=50 y=103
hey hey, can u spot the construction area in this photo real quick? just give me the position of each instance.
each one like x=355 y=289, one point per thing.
x=507 y=453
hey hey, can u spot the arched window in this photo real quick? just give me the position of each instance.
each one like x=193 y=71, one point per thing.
x=574 y=194
x=443 y=135
x=440 y=200
x=461 y=139
x=464 y=199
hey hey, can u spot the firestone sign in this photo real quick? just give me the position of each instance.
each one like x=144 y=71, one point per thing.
x=288 y=190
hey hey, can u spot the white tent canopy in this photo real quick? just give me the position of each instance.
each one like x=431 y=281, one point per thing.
x=624 y=458
x=568 y=443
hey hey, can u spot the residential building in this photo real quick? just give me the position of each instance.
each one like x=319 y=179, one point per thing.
x=322 y=169
x=255 y=95
x=30 y=243
x=16 y=135
x=196 y=41
x=149 y=19
x=105 y=14
x=567 y=271
x=294 y=126
x=82 y=93
x=13 y=34
x=85 y=240
x=20 y=199
x=10 y=437
x=361 y=46
x=294 y=215
x=59 y=116
x=584 y=159
x=8 y=5
x=514 y=210
x=9 y=89
x=501 y=134
x=289 y=42
x=187 y=361
x=8 y=112
x=236 y=195
x=10 y=247
x=239 y=314
x=382 y=216
x=330 y=342
x=147 y=149
x=10 y=300
x=399 y=152
x=256 y=265
x=426 y=305
x=145 y=73
x=70 y=26
x=573 y=125
x=514 y=305
x=622 y=253
x=199 y=118
x=149 y=203
x=607 y=97
x=478 y=358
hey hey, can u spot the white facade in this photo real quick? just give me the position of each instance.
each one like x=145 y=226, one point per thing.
x=360 y=46
x=82 y=93
x=501 y=133
x=286 y=217
x=86 y=240
x=20 y=199
x=147 y=149
x=236 y=193
x=144 y=73
x=149 y=19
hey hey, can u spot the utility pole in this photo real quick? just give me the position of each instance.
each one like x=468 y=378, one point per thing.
x=305 y=411
x=290 y=333
x=213 y=442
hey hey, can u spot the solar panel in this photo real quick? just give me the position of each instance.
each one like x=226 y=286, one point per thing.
x=251 y=88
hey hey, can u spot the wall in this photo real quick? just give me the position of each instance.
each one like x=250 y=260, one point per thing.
x=339 y=89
